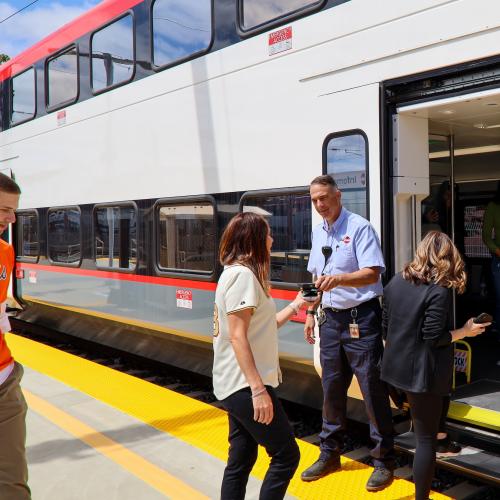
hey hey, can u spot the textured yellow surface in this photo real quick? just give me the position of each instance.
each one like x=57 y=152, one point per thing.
x=192 y=421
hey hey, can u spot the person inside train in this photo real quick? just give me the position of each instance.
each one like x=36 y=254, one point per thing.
x=246 y=367
x=491 y=238
x=418 y=356
x=346 y=260
x=13 y=466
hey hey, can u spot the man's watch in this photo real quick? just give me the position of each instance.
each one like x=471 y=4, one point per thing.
x=311 y=312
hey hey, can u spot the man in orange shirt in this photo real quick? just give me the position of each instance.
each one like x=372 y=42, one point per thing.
x=13 y=467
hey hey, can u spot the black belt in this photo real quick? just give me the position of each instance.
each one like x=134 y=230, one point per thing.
x=335 y=310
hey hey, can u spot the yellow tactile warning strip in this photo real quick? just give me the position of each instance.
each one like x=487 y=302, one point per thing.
x=193 y=422
x=146 y=471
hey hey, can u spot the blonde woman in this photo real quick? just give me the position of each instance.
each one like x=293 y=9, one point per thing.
x=418 y=356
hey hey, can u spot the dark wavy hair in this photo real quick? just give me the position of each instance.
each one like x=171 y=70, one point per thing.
x=244 y=242
x=437 y=260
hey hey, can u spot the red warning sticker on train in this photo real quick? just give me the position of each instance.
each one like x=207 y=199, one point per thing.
x=184 y=298
x=280 y=40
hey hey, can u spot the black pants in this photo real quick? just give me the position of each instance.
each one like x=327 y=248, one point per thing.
x=342 y=356
x=245 y=434
x=426 y=410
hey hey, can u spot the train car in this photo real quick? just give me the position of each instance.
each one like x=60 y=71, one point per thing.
x=137 y=130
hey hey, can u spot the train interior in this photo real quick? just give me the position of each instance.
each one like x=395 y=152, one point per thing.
x=463 y=176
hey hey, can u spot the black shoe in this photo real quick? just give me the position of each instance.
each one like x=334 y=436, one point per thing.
x=381 y=478
x=321 y=468
x=446 y=447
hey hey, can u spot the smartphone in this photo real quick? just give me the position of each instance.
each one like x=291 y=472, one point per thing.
x=483 y=318
x=309 y=290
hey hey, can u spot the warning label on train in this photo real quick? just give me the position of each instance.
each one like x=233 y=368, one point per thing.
x=184 y=298
x=280 y=40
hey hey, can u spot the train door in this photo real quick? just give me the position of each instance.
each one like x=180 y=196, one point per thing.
x=446 y=173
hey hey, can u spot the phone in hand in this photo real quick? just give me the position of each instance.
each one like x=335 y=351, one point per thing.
x=483 y=318
x=309 y=291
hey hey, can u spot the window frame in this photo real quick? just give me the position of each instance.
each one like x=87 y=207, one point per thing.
x=278 y=192
x=68 y=102
x=276 y=21
x=158 y=68
x=11 y=98
x=119 y=204
x=184 y=200
x=65 y=264
x=20 y=213
x=346 y=133
x=129 y=12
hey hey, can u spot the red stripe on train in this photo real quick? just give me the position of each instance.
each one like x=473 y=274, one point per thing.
x=70 y=32
x=156 y=280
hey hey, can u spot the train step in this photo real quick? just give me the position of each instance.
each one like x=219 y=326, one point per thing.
x=471 y=461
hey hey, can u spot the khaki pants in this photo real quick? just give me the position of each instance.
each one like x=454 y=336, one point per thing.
x=13 y=467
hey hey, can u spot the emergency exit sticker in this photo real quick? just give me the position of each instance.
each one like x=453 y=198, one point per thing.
x=184 y=298
x=280 y=40
x=32 y=277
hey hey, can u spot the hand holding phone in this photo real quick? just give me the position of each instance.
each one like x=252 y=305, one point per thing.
x=483 y=318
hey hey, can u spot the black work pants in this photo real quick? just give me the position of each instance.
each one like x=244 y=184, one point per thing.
x=245 y=434
x=426 y=412
x=342 y=356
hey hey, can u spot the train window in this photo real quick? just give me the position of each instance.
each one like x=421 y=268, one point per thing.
x=28 y=246
x=180 y=29
x=289 y=216
x=62 y=78
x=64 y=235
x=346 y=156
x=186 y=237
x=23 y=97
x=257 y=12
x=115 y=236
x=112 y=52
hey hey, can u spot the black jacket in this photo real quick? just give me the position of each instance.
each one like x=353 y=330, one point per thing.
x=418 y=355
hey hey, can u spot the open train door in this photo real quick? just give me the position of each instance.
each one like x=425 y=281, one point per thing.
x=443 y=174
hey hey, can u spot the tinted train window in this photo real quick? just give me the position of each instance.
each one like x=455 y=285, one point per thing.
x=28 y=247
x=64 y=237
x=62 y=78
x=115 y=237
x=180 y=29
x=112 y=50
x=23 y=97
x=289 y=216
x=256 y=12
x=186 y=237
x=346 y=160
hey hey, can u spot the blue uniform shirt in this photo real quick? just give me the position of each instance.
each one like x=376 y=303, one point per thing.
x=355 y=245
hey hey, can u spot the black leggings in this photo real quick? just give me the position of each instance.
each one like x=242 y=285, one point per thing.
x=426 y=410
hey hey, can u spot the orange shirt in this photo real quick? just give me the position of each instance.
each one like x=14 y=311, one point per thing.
x=6 y=266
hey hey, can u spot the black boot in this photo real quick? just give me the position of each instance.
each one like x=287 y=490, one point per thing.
x=321 y=468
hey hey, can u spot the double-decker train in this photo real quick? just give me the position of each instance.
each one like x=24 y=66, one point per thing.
x=137 y=130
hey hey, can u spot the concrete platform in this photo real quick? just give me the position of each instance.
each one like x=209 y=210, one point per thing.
x=98 y=434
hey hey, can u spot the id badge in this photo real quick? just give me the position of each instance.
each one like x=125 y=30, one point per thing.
x=354 y=330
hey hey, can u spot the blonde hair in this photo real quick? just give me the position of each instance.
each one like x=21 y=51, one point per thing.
x=437 y=260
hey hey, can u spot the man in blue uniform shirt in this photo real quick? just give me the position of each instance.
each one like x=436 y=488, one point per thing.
x=346 y=261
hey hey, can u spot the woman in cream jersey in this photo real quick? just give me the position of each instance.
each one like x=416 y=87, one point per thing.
x=246 y=366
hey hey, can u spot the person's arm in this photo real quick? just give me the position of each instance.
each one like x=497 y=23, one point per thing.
x=436 y=317
x=362 y=277
x=290 y=310
x=488 y=224
x=238 y=323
